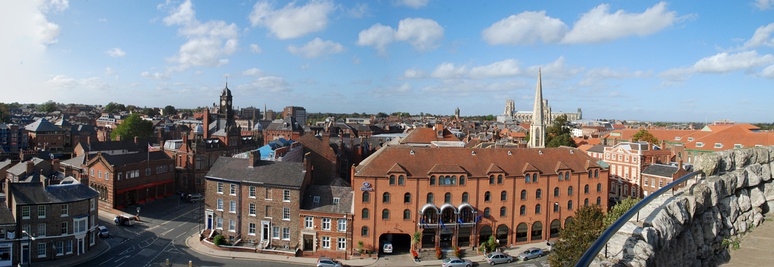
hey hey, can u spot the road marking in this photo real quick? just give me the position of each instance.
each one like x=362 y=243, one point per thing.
x=103 y=263
x=121 y=258
x=128 y=250
x=120 y=264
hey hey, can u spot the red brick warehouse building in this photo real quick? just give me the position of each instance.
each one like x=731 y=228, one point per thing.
x=456 y=196
x=130 y=179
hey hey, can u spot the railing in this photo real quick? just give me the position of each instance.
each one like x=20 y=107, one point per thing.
x=592 y=252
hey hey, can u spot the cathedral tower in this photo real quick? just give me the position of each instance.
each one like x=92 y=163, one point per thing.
x=537 y=130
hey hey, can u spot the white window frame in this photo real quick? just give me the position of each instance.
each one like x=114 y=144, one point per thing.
x=275 y=232
x=66 y=210
x=285 y=233
x=342 y=225
x=326 y=224
x=25 y=212
x=341 y=243
x=41 y=212
x=219 y=205
x=251 y=229
x=232 y=206
x=80 y=225
x=326 y=242
x=308 y=222
x=286 y=214
x=251 y=191
x=286 y=195
x=42 y=249
x=251 y=210
x=220 y=188
x=232 y=225
x=232 y=189
x=41 y=229
x=219 y=223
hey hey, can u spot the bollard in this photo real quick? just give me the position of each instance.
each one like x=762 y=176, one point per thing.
x=190 y=263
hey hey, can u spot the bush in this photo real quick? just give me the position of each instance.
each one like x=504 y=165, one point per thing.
x=219 y=240
x=438 y=253
x=456 y=251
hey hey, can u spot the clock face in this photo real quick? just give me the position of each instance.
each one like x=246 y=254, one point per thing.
x=229 y=102
x=223 y=102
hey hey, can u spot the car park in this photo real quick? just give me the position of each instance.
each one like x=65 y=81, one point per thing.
x=456 y=262
x=327 y=262
x=103 y=231
x=531 y=253
x=498 y=257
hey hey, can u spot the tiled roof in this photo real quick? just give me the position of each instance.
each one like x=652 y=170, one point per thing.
x=34 y=193
x=326 y=194
x=276 y=173
x=427 y=135
x=423 y=159
x=6 y=217
x=42 y=125
x=114 y=145
x=730 y=135
x=310 y=142
x=660 y=170
x=124 y=159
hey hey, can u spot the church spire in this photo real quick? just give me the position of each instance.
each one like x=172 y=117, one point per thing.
x=537 y=131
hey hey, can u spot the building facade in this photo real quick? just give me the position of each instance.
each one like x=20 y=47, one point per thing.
x=129 y=179
x=627 y=160
x=326 y=221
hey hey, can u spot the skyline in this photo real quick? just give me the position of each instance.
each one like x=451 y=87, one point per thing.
x=652 y=61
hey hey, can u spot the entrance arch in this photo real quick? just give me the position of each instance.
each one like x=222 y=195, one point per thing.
x=555 y=227
x=537 y=231
x=521 y=232
x=484 y=234
x=502 y=234
x=567 y=221
x=428 y=238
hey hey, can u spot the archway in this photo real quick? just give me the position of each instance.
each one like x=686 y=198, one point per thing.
x=567 y=221
x=555 y=227
x=502 y=234
x=484 y=234
x=521 y=232
x=537 y=231
x=428 y=238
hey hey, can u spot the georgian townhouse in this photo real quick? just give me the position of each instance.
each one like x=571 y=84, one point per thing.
x=50 y=221
x=457 y=196
x=129 y=179
x=656 y=176
x=326 y=221
x=251 y=201
x=627 y=160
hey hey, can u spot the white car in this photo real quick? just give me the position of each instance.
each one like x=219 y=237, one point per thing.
x=103 y=231
x=387 y=248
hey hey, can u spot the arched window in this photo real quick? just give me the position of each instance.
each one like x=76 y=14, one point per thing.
x=503 y=195
x=523 y=194
x=407 y=214
x=569 y=205
x=585 y=202
x=586 y=189
x=503 y=212
x=559 y=176
x=556 y=191
x=599 y=187
x=364 y=231
x=569 y=191
x=430 y=198
x=535 y=178
x=386 y=197
x=401 y=180
x=527 y=178
x=486 y=212
x=599 y=201
x=407 y=198
x=499 y=179
x=590 y=173
x=432 y=180
x=447 y=198
x=487 y=196
x=567 y=176
x=491 y=179
x=392 y=179
x=385 y=214
x=465 y=197
x=366 y=197
x=523 y=210
x=596 y=173
x=462 y=179
x=364 y=214
x=537 y=209
x=538 y=194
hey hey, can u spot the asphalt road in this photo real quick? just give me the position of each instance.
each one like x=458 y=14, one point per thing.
x=160 y=236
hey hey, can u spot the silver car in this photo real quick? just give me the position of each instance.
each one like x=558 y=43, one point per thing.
x=327 y=262
x=456 y=262
x=530 y=253
x=498 y=257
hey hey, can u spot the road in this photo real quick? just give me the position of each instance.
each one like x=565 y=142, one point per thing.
x=160 y=236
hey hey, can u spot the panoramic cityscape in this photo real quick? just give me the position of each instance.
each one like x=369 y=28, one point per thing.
x=386 y=133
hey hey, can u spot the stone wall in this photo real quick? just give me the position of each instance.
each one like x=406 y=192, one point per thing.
x=689 y=226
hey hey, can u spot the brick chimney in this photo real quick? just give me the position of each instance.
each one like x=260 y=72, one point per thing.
x=206 y=122
x=255 y=157
x=30 y=166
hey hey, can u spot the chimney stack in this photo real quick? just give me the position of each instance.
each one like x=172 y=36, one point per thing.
x=30 y=166
x=255 y=157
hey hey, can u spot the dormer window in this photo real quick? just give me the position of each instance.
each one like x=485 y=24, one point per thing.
x=699 y=144
x=690 y=139
x=678 y=138
x=718 y=145
x=316 y=200
x=336 y=201
x=738 y=146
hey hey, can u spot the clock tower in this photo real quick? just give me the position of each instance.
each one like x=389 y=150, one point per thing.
x=225 y=109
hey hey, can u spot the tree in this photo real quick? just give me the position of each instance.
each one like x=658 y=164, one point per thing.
x=577 y=236
x=644 y=135
x=381 y=115
x=489 y=117
x=49 y=106
x=619 y=209
x=5 y=113
x=558 y=134
x=113 y=107
x=169 y=110
x=133 y=126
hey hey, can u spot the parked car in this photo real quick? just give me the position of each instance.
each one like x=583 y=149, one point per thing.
x=530 y=253
x=327 y=262
x=125 y=219
x=457 y=262
x=387 y=248
x=103 y=231
x=498 y=257
x=196 y=197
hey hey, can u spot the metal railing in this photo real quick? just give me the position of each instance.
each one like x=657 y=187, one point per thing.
x=592 y=252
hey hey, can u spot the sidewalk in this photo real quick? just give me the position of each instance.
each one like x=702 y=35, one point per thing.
x=196 y=245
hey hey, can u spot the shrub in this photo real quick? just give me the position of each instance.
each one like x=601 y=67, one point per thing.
x=456 y=251
x=438 y=253
x=219 y=240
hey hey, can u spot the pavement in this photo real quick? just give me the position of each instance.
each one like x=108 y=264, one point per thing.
x=755 y=248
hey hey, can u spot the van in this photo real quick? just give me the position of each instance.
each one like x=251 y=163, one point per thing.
x=125 y=219
x=193 y=198
x=387 y=248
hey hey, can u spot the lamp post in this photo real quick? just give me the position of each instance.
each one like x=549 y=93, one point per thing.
x=29 y=247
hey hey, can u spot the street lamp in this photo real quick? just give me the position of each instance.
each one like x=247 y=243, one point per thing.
x=29 y=247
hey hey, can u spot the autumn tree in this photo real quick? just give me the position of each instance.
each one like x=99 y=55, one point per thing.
x=577 y=236
x=559 y=133
x=133 y=126
x=644 y=135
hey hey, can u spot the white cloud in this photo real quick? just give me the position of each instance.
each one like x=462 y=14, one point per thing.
x=271 y=84
x=422 y=34
x=155 y=75
x=116 y=52
x=255 y=48
x=316 y=48
x=505 y=68
x=207 y=43
x=55 y=6
x=448 y=71
x=62 y=82
x=525 y=28
x=415 y=4
x=764 y=4
x=596 y=75
x=598 y=25
x=556 y=70
x=360 y=10
x=768 y=72
x=252 y=72
x=292 y=21
x=676 y=75
x=414 y=74
x=724 y=62
x=762 y=36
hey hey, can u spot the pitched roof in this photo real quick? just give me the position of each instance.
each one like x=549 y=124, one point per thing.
x=114 y=145
x=660 y=170
x=34 y=193
x=124 y=159
x=427 y=135
x=326 y=193
x=42 y=125
x=277 y=173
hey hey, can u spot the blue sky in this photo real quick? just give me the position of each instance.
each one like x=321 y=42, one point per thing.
x=635 y=60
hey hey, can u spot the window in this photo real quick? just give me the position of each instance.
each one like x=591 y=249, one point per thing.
x=147 y=172
x=364 y=231
x=567 y=176
x=486 y=212
x=527 y=178
x=569 y=191
x=585 y=202
x=41 y=211
x=232 y=190
x=286 y=195
x=569 y=205
x=406 y=214
x=341 y=243
x=251 y=192
x=366 y=197
x=718 y=145
x=535 y=178
x=286 y=213
x=586 y=189
x=401 y=180
x=326 y=224
x=447 y=180
x=41 y=229
x=285 y=233
x=386 y=197
x=64 y=228
x=385 y=214
x=219 y=223
x=599 y=201
x=430 y=198
x=503 y=196
x=316 y=200
x=660 y=183
x=537 y=209
x=268 y=194
x=326 y=242
x=538 y=194
x=41 y=249
x=232 y=206
x=220 y=188
x=25 y=212
x=591 y=173
x=336 y=201
x=599 y=187
x=447 y=198
x=465 y=197
x=69 y=247
x=491 y=179
x=560 y=176
x=92 y=203
x=556 y=207
x=232 y=225
x=487 y=196
x=220 y=204
x=251 y=229
x=523 y=210
x=699 y=144
x=596 y=173
x=267 y=211
x=407 y=198
x=503 y=212
x=523 y=194
x=275 y=232
x=556 y=191
x=251 y=209
x=500 y=179
x=738 y=146
x=364 y=214
x=342 y=225
x=308 y=222
x=462 y=179
x=432 y=180
x=59 y=248
x=392 y=179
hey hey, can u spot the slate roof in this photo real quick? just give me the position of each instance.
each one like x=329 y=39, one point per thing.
x=326 y=194
x=42 y=125
x=6 y=217
x=34 y=193
x=124 y=159
x=277 y=173
x=21 y=168
x=5 y=163
x=114 y=145
x=660 y=170
x=75 y=162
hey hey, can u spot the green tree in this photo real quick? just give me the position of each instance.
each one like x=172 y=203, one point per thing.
x=619 y=209
x=577 y=237
x=170 y=110
x=5 y=113
x=489 y=117
x=644 y=135
x=381 y=115
x=133 y=126
x=49 y=106
x=558 y=134
x=113 y=107
x=151 y=112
